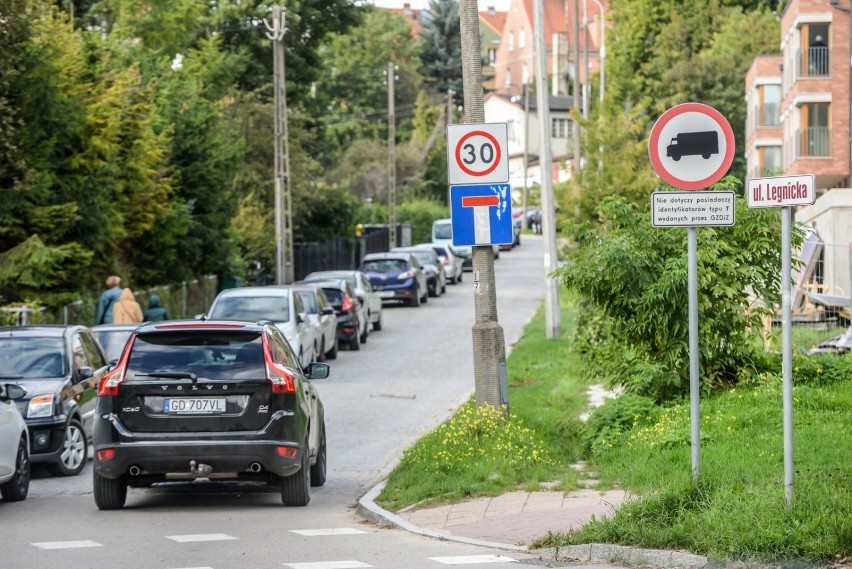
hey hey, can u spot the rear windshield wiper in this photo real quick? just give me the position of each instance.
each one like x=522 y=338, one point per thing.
x=171 y=375
x=11 y=377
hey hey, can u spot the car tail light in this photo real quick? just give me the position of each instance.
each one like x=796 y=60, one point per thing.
x=287 y=452
x=347 y=303
x=106 y=454
x=280 y=380
x=111 y=380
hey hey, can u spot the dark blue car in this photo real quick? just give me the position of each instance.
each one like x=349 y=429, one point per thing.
x=396 y=277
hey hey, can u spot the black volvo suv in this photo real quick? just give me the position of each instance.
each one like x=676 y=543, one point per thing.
x=208 y=399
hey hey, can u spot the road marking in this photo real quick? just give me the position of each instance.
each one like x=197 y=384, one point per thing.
x=470 y=559
x=329 y=531
x=200 y=537
x=67 y=544
x=328 y=565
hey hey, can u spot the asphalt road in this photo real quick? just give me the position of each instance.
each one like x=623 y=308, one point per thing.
x=405 y=380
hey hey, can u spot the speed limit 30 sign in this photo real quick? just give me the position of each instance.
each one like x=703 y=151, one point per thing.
x=476 y=153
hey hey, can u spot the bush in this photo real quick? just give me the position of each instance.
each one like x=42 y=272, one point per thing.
x=616 y=417
x=420 y=214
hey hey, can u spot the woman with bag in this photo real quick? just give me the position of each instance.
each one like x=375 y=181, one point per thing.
x=126 y=310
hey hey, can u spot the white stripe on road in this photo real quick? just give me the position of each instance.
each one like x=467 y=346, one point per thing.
x=470 y=559
x=329 y=531
x=200 y=537
x=67 y=544
x=328 y=565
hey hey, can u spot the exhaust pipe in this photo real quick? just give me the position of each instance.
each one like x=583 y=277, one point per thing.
x=134 y=470
x=255 y=467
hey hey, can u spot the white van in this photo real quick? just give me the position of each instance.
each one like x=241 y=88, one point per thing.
x=442 y=232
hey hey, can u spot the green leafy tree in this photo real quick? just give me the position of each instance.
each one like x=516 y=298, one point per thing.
x=441 y=52
x=633 y=280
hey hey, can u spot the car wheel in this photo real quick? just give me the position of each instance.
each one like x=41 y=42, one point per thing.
x=366 y=331
x=354 y=343
x=296 y=488
x=75 y=451
x=377 y=325
x=415 y=298
x=432 y=289
x=461 y=274
x=110 y=494
x=319 y=467
x=321 y=352
x=17 y=487
x=332 y=354
x=444 y=288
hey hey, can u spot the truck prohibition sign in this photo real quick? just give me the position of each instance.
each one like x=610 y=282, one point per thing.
x=704 y=144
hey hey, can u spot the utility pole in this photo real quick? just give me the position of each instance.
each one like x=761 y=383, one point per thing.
x=552 y=314
x=489 y=345
x=391 y=75
x=524 y=196
x=283 y=209
x=450 y=103
x=576 y=90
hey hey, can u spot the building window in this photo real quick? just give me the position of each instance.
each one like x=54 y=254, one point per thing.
x=813 y=60
x=508 y=82
x=559 y=128
x=492 y=55
x=769 y=105
x=814 y=136
x=522 y=38
x=511 y=134
x=769 y=158
x=511 y=41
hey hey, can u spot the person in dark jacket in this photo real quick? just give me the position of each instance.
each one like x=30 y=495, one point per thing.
x=155 y=312
x=107 y=300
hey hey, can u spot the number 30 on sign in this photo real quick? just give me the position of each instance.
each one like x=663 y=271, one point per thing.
x=477 y=154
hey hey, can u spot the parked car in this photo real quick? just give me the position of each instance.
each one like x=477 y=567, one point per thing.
x=367 y=297
x=112 y=338
x=350 y=314
x=60 y=368
x=14 y=445
x=442 y=234
x=396 y=276
x=436 y=277
x=516 y=234
x=450 y=259
x=275 y=303
x=221 y=400
x=323 y=319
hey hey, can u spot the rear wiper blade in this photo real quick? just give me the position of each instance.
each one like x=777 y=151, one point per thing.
x=11 y=377
x=171 y=375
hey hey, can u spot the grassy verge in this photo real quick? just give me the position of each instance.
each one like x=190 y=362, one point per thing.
x=475 y=453
x=736 y=511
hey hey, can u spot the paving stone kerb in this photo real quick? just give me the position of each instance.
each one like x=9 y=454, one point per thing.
x=594 y=552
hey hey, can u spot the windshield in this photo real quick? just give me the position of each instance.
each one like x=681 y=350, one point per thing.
x=252 y=308
x=424 y=257
x=113 y=342
x=384 y=266
x=330 y=275
x=28 y=357
x=443 y=231
x=209 y=354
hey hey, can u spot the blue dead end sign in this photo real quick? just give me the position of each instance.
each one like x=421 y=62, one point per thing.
x=481 y=214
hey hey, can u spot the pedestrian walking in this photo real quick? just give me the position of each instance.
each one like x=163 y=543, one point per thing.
x=127 y=310
x=107 y=300
x=155 y=311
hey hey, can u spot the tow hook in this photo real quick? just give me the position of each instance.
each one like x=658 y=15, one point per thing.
x=199 y=470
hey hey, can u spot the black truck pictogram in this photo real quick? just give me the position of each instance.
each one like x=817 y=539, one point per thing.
x=704 y=143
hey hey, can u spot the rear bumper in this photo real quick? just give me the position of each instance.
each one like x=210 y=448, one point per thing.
x=172 y=460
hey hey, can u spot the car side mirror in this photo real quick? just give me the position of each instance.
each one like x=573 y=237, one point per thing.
x=327 y=310
x=84 y=372
x=11 y=391
x=317 y=370
x=361 y=300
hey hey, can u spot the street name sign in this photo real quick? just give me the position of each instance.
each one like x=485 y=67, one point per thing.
x=477 y=153
x=693 y=209
x=481 y=214
x=691 y=146
x=779 y=191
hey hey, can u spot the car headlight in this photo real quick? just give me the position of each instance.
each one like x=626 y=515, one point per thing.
x=40 y=406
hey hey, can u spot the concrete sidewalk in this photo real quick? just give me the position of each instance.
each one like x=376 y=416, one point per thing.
x=513 y=520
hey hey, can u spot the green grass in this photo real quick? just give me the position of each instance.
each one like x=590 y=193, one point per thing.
x=737 y=511
x=476 y=454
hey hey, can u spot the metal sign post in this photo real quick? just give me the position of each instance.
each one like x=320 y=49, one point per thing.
x=785 y=192
x=691 y=147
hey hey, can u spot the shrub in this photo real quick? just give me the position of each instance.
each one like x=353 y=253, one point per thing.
x=420 y=214
x=615 y=418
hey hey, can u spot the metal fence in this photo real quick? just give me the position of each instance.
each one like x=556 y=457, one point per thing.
x=337 y=253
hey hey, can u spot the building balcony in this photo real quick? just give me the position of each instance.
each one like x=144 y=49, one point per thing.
x=813 y=142
x=768 y=116
x=813 y=62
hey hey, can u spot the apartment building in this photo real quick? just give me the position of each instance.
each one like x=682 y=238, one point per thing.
x=799 y=121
